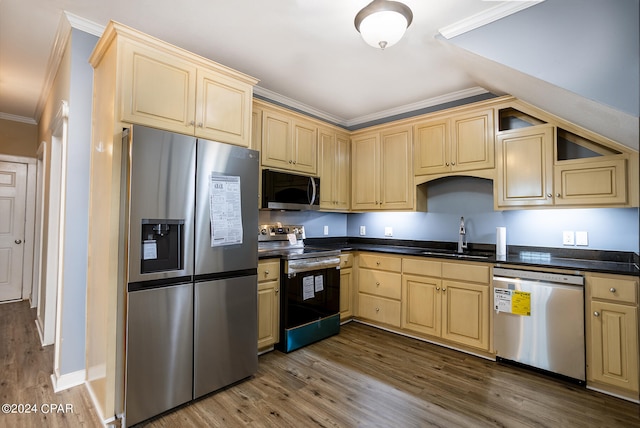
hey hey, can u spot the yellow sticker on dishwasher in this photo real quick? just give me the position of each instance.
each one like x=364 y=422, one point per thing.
x=521 y=303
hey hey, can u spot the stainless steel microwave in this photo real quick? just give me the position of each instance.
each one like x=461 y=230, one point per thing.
x=286 y=191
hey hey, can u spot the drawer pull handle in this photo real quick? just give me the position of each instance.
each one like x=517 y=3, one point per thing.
x=596 y=314
x=613 y=290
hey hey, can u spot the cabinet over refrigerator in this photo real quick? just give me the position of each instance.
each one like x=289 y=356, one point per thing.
x=192 y=269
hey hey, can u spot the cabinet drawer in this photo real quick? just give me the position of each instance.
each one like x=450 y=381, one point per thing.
x=466 y=272
x=385 y=284
x=378 y=261
x=422 y=267
x=615 y=289
x=268 y=271
x=379 y=309
x=346 y=260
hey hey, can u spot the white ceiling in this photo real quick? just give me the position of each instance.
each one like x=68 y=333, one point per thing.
x=305 y=52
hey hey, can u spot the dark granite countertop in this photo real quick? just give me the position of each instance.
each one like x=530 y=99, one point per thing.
x=614 y=262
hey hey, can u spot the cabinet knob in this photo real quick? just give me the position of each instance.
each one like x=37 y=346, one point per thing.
x=18 y=241
x=378 y=263
x=437 y=288
x=549 y=195
x=453 y=163
x=613 y=290
x=446 y=163
x=557 y=195
x=266 y=273
x=377 y=284
x=377 y=309
x=191 y=123
x=290 y=161
x=277 y=290
x=444 y=289
x=199 y=124
x=596 y=314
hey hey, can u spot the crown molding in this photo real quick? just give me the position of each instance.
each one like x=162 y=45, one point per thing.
x=348 y=123
x=80 y=23
x=16 y=118
x=407 y=108
x=486 y=17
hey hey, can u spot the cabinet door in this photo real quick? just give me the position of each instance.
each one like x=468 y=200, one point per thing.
x=305 y=147
x=472 y=141
x=396 y=178
x=268 y=313
x=276 y=140
x=327 y=169
x=223 y=109
x=614 y=345
x=421 y=304
x=346 y=294
x=365 y=173
x=158 y=90
x=465 y=313
x=342 y=193
x=591 y=182
x=432 y=147
x=525 y=167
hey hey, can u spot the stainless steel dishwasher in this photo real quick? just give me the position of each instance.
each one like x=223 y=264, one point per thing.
x=539 y=320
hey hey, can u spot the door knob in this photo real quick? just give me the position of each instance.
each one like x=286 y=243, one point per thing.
x=18 y=241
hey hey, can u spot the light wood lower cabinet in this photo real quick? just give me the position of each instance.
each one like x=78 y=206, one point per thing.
x=379 y=288
x=612 y=334
x=268 y=303
x=447 y=300
x=346 y=286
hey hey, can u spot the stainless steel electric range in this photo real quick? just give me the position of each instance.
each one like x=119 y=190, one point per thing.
x=310 y=285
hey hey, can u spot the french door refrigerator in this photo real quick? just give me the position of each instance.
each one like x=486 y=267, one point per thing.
x=192 y=269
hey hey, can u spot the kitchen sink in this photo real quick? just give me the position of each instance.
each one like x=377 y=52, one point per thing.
x=456 y=255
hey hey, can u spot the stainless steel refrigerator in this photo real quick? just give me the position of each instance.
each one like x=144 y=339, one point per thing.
x=192 y=271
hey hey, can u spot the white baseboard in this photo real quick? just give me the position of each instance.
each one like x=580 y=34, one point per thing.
x=69 y=380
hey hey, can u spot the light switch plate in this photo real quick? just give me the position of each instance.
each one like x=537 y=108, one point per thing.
x=363 y=230
x=582 y=238
x=325 y=230
x=568 y=237
x=388 y=231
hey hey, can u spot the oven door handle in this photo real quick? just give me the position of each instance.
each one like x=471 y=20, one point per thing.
x=293 y=267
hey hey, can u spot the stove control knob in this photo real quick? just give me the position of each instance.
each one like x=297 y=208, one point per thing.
x=263 y=232
x=295 y=230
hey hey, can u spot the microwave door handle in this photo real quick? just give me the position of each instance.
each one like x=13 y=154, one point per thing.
x=313 y=195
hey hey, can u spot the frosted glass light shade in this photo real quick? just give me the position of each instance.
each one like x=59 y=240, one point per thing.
x=383 y=29
x=382 y=23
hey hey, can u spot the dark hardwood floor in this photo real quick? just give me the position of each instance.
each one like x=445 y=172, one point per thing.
x=363 y=377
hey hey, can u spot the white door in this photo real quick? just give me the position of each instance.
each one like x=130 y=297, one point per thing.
x=13 y=191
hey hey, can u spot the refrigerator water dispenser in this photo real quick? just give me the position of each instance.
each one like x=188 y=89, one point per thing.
x=162 y=245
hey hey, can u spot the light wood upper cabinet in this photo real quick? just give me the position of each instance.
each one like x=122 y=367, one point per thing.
x=463 y=142
x=612 y=334
x=334 y=170
x=540 y=164
x=382 y=177
x=525 y=167
x=289 y=142
x=166 y=89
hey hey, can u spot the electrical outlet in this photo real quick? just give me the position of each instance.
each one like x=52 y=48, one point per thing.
x=582 y=238
x=326 y=230
x=363 y=230
x=388 y=231
x=568 y=237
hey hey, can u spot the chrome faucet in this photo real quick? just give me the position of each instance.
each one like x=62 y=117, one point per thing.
x=462 y=237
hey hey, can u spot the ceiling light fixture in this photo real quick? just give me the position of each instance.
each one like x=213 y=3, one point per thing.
x=382 y=23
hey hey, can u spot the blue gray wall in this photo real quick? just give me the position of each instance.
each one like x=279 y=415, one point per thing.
x=449 y=199
x=589 y=47
x=72 y=345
